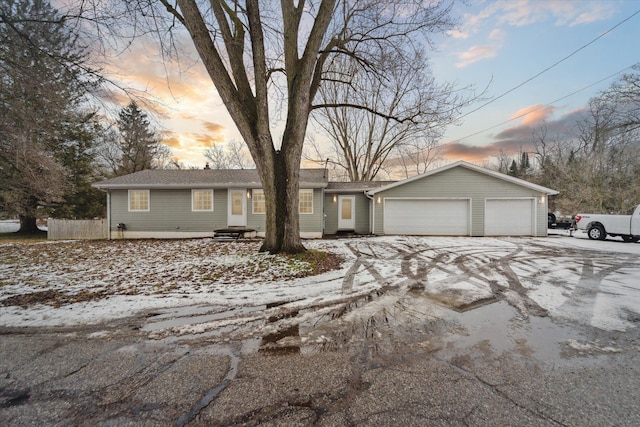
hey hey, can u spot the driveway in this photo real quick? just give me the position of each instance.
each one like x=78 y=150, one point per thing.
x=388 y=282
x=469 y=331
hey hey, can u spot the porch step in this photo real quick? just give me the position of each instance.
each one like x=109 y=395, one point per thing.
x=344 y=234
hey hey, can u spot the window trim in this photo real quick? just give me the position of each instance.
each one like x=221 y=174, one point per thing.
x=306 y=190
x=193 y=200
x=299 y=205
x=129 y=193
x=253 y=201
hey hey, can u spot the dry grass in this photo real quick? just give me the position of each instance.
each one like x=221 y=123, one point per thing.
x=60 y=273
x=17 y=237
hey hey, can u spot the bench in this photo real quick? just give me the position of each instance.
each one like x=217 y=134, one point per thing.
x=231 y=233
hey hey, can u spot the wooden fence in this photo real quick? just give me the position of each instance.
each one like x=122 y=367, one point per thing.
x=83 y=229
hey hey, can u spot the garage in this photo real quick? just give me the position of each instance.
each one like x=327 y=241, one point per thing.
x=428 y=217
x=460 y=199
x=509 y=217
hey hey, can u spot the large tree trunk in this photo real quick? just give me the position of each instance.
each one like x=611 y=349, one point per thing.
x=281 y=188
x=28 y=225
x=248 y=105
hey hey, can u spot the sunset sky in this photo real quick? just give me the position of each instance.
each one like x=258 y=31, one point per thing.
x=498 y=44
x=506 y=43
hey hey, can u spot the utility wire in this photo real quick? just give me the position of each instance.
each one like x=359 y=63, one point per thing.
x=545 y=105
x=551 y=66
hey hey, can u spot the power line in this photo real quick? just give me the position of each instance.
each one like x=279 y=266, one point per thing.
x=551 y=66
x=545 y=105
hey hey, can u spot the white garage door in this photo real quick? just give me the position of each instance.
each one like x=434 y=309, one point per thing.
x=509 y=217
x=426 y=217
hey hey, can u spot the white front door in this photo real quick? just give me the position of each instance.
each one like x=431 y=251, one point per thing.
x=237 y=214
x=346 y=212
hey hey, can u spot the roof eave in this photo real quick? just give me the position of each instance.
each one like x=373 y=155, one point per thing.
x=195 y=185
x=345 y=190
x=479 y=169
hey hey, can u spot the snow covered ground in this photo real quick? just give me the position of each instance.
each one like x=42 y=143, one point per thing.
x=11 y=226
x=220 y=284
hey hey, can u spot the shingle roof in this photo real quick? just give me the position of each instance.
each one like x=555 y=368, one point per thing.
x=338 y=187
x=204 y=178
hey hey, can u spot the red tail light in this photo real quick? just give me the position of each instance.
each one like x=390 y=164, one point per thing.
x=578 y=218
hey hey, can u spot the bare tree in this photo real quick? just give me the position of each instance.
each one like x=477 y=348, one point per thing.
x=417 y=156
x=108 y=151
x=257 y=52
x=596 y=167
x=504 y=162
x=626 y=92
x=228 y=156
x=377 y=123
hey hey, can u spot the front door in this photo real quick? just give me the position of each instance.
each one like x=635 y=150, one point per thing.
x=237 y=214
x=346 y=212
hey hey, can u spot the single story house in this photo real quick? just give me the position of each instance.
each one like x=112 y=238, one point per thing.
x=460 y=199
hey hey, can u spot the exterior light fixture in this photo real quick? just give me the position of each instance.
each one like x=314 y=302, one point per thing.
x=379 y=199
x=248 y=194
x=335 y=198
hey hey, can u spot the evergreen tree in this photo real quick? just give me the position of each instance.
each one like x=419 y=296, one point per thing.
x=139 y=144
x=44 y=82
x=524 y=162
x=78 y=157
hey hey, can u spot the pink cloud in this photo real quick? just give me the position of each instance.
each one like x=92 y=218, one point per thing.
x=513 y=140
x=534 y=114
x=454 y=151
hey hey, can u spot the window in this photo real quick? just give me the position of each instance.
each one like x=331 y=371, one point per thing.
x=201 y=200
x=259 y=206
x=346 y=209
x=139 y=200
x=306 y=201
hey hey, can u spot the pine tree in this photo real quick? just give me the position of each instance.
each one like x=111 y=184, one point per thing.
x=43 y=86
x=524 y=162
x=81 y=200
x=139 y=144
x=513 y=169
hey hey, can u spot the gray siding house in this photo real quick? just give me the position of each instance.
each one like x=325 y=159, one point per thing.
x=347 y=207
x=193 y=203
x=460 y=199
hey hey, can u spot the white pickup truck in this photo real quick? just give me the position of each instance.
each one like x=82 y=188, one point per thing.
x=599 y=226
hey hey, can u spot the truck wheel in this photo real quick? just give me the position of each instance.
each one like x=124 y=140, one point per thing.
x=596 y=232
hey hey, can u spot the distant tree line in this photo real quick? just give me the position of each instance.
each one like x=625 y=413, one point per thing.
x=596 y=165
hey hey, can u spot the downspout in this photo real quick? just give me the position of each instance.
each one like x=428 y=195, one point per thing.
x=108 y=214
x=324 y=214
x=325 y=175
x=372 y=225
